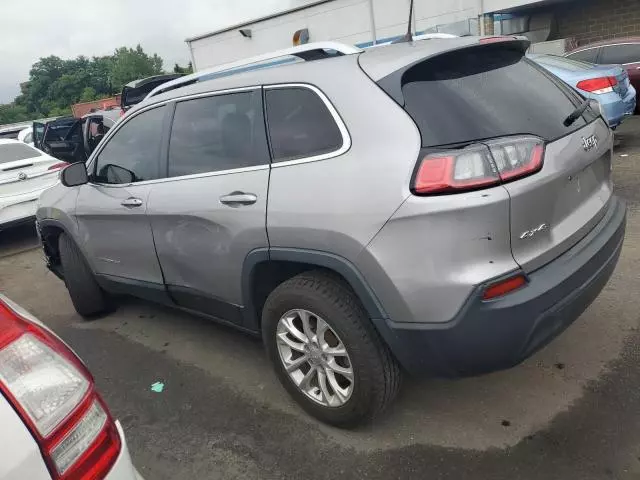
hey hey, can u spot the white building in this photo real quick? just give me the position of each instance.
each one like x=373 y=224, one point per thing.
x=365 y=22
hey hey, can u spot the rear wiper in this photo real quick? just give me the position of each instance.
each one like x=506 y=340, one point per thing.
x=573 y=116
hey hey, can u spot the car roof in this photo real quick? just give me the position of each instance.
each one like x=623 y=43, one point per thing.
x=376 y=62
x=611 y=41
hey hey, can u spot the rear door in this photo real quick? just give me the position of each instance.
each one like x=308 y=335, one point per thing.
x=211 y=211
x=478 y=96
x=65 y=143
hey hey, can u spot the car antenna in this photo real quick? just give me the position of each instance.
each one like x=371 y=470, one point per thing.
x=407 y=37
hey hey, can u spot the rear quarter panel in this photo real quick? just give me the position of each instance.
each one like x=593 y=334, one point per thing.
x=337 y=205
x=431 y=254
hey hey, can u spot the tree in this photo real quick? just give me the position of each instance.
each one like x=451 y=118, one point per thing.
x=55 y=84
x=184 y=70
x=88 y=94
x=131 y=64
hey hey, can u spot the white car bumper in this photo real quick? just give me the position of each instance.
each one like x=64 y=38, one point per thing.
x=123 y=468
x=19 y=207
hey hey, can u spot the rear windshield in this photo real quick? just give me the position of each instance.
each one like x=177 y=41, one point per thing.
x=476 y=94
x=563 y=63
x=16 y=151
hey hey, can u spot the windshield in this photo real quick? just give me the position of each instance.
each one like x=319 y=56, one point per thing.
x=12 y=152
x=473 y=95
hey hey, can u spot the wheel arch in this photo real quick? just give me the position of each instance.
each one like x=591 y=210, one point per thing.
x=49 y=231
x=264 y=269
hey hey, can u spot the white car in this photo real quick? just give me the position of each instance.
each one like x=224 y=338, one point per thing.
x=26 y=136
x=54 y=424
x=25 y=172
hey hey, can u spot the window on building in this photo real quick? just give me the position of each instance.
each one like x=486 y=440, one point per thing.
x=133 y=153
x=217 y=133
x=300 y=124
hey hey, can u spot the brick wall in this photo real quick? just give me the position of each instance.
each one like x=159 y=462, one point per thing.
x=592 y=20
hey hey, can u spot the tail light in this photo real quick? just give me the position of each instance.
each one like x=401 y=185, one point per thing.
x=54 y=394
x=58 y=166
x=503 y=287
x=478 y=166
x=598 y=85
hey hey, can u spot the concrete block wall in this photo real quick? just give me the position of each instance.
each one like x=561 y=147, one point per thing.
x=592 y=20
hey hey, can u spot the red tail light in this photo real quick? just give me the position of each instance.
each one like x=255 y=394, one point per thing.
x=502 y=38
x=478 y=166
x=54 y=394
x=503 y=287
x=598 y=85
x=58 y=166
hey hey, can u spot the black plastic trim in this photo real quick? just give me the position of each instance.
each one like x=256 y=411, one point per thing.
x=336 y=263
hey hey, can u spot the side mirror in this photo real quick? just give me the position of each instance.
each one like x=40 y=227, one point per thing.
x=74 y=175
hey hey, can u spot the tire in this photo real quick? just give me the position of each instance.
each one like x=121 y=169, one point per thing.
x=376 y=375
x=88 y=298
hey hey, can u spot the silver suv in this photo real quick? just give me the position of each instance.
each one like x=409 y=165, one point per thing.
x=442 y=206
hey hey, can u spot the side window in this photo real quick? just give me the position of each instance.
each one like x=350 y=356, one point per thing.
x=300 y=124
x=220 y=132
x=621 y=54
x=589 y=55
x=133 y=153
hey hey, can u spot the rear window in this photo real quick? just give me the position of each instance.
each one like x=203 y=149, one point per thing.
x=588 y=55
x=563 y=63
x=475 y=94
x=300 y=124
x=16 y=151
x=623 y=53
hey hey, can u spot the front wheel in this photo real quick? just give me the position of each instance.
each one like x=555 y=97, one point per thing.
x=326 y=352
x=88 y=298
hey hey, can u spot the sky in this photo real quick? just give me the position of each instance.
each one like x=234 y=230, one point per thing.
x=39 y=28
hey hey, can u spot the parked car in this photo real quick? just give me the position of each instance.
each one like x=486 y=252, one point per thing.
x=608 y=84
x=26 y=136
x=73 y=139
x=431 y=212
x=621 y=51
x=24 y=173
x=134 y=92
x=55 y=425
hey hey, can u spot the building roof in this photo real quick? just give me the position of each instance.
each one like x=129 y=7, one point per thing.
x=256 y=20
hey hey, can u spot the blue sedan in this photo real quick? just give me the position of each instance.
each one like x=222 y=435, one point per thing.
x=608 y=84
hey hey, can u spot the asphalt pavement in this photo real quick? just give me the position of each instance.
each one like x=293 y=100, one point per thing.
x=569 y=412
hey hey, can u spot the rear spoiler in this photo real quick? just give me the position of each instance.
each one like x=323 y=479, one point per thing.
x=392 y=83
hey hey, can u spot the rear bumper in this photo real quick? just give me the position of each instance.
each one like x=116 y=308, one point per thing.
x=493 y=335
x=15 y=208
x=616 y=109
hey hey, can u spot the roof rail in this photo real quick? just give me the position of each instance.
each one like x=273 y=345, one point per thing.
x=308 y=52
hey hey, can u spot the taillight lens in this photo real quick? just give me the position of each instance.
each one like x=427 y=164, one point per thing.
x=598 y=85
x=54 y=394
x=478 y=166
x=505 y=286
x=58 y=166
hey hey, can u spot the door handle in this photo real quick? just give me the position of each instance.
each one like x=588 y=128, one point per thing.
x=131 y=202
x=236 y=199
